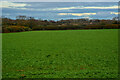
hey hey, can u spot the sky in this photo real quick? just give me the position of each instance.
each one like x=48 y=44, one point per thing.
x=62 y=0
x=60 y=10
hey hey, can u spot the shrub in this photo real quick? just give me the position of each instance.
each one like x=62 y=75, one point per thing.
x=107 y=26
x=15 y=29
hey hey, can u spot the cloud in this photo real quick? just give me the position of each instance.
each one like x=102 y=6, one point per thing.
x=87 y=17
x=20 y=6
x=65 y=0
x=66 y=8
x=77 y=14
x=116 y=13
x=82 y=7
x=7 y=4
x=103 y=15
x=110 y=7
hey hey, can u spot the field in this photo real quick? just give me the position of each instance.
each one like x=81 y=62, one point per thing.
x=61 y=54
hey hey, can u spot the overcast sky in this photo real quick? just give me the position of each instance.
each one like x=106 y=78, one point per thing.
x=63 y=0
x=60 y=10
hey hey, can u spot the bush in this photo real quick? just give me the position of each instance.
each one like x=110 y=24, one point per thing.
x=111 y=26
x=107 y=26
x=15 y=29
x=27 y=29
x=38 y=28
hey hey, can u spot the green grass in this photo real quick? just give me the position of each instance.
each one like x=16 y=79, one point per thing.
x=61 y=54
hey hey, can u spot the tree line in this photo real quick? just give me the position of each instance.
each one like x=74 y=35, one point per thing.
x=24 y=23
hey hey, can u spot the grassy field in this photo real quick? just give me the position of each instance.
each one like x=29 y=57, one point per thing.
x=61 y=54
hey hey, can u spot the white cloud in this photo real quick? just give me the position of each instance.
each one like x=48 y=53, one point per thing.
x=82 y=7
x=66 y=8
x=64 y=0
x=87 y=17
x=110 y=7
x=77 y=14
x=116 y=13
x=7 y=4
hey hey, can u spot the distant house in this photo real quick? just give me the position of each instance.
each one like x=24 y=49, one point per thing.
x=115 y=18
x=91 y=23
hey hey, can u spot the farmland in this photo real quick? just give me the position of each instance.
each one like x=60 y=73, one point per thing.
x=60 y=54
